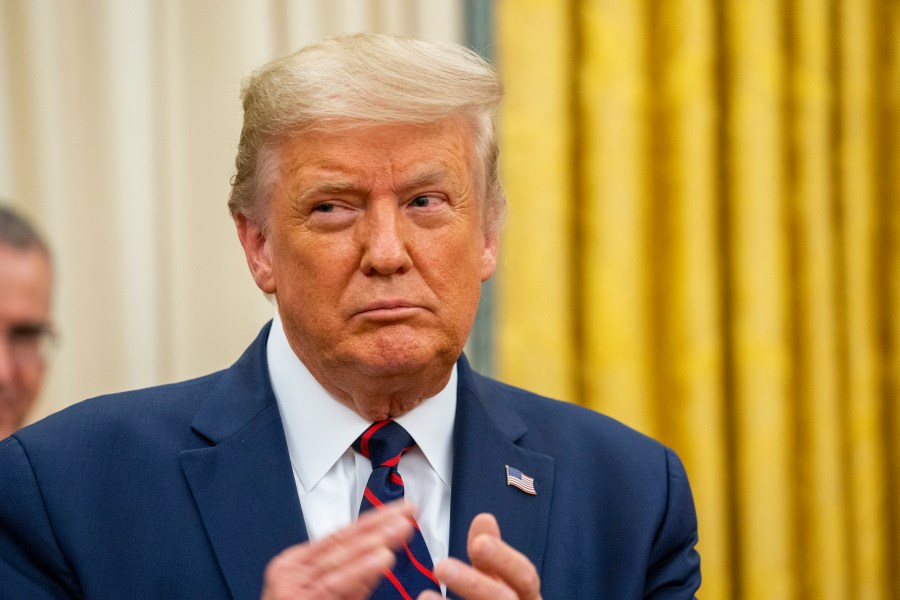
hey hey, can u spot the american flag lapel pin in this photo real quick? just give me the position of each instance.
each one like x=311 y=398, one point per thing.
x=518 y=479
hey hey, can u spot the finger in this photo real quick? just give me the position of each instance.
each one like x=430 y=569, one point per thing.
x=489 y=554
x=482 y=524
x=287 y=579
x=388 y=527
x=470 y=583
x=492 y=556
x=358 y=577
x=348 y=563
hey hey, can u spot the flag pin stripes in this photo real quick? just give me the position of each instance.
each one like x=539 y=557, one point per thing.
x=518 y=479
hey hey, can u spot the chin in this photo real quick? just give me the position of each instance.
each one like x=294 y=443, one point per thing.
x=392 y=365
x=405 y=355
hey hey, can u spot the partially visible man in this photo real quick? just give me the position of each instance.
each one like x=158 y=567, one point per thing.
x=368 y=203
x=25 y=290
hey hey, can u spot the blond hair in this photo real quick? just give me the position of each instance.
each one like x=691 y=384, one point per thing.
x=368 y=79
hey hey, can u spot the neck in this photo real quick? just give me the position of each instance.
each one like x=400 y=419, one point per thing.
x=378 y=396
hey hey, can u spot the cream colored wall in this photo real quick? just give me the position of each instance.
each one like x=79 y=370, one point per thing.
x=118 y=123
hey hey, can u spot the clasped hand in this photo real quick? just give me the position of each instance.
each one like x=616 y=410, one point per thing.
x=349 y=563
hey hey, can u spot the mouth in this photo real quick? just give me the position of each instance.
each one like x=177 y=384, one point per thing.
x=388 y=310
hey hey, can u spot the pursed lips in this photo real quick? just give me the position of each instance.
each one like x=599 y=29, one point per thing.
x=388 y=309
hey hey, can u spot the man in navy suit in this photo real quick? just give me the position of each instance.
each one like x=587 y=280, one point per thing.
x=368 y=205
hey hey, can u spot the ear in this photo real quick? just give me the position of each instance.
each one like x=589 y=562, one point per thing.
x=489 y=255
x=258 y=252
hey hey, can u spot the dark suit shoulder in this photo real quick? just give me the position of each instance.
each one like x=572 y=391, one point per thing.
x=609 y=483
x=131 y=414
x=160 y=415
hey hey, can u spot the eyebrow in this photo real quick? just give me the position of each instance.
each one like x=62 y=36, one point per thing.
x=427 y=177
x=417 y=180
x=28 y=328
x=330 y=187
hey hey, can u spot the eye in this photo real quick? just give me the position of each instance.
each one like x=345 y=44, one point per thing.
x=26 y=334
x=30 y=341
x=425 y=201
x=330 y=214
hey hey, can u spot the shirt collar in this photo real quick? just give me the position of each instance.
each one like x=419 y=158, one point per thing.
x=319 y=429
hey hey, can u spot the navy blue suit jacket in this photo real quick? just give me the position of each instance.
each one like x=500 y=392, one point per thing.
x=186 y=491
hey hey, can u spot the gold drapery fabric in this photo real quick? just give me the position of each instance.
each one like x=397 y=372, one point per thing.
x=704 y=242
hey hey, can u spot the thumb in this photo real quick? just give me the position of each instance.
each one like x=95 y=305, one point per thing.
x=482 y=524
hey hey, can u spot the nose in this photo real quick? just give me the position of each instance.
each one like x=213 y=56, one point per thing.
x=384 y=240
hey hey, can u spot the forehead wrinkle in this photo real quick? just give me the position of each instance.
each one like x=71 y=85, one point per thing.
x=330 y=174
x=423 y=178
x=321 y=178
x=329 y=187
x=453 y=162
x=433 y=172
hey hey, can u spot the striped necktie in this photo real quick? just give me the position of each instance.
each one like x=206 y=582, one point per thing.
x=384 y=443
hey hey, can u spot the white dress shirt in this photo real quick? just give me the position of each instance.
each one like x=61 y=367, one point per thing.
x=331 y=476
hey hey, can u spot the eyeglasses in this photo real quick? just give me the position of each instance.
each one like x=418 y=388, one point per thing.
x=30 y=343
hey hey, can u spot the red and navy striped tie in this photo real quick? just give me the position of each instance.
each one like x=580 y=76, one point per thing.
x=384 y=443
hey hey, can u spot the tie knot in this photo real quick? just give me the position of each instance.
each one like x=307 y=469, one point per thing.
x=384 y=443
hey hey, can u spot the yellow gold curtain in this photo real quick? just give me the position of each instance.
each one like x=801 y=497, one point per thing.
x=704 y=242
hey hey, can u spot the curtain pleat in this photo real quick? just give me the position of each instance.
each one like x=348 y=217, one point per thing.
x=860 y=199
x=757 y=265
x=725 y=196
x=822 y=494
x=612 y=228
x=536 y=253
x=687 y=263
x=890 y=167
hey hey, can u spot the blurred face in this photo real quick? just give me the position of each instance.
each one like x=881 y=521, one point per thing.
x=376 y=253
x=25 y=282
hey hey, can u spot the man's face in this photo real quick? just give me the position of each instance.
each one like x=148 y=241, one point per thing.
x=376 y=250
x=25 y=288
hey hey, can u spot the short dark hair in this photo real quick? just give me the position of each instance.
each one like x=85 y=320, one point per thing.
x=18 y=232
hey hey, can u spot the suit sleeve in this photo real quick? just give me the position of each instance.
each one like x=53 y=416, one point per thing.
x=31 y=563
x=674 y=562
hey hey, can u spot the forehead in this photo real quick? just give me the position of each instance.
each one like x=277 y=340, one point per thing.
x=25 y=283
x=356 y=152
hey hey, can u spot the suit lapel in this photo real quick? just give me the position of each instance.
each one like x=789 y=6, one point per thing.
x=486 y=433
x=244 y=488
x=243 y=484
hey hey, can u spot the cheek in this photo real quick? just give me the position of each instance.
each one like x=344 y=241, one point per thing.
x=31 y=377
x=312 y=275
x=296 y=260
x=459 y=276
x=464 y=260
